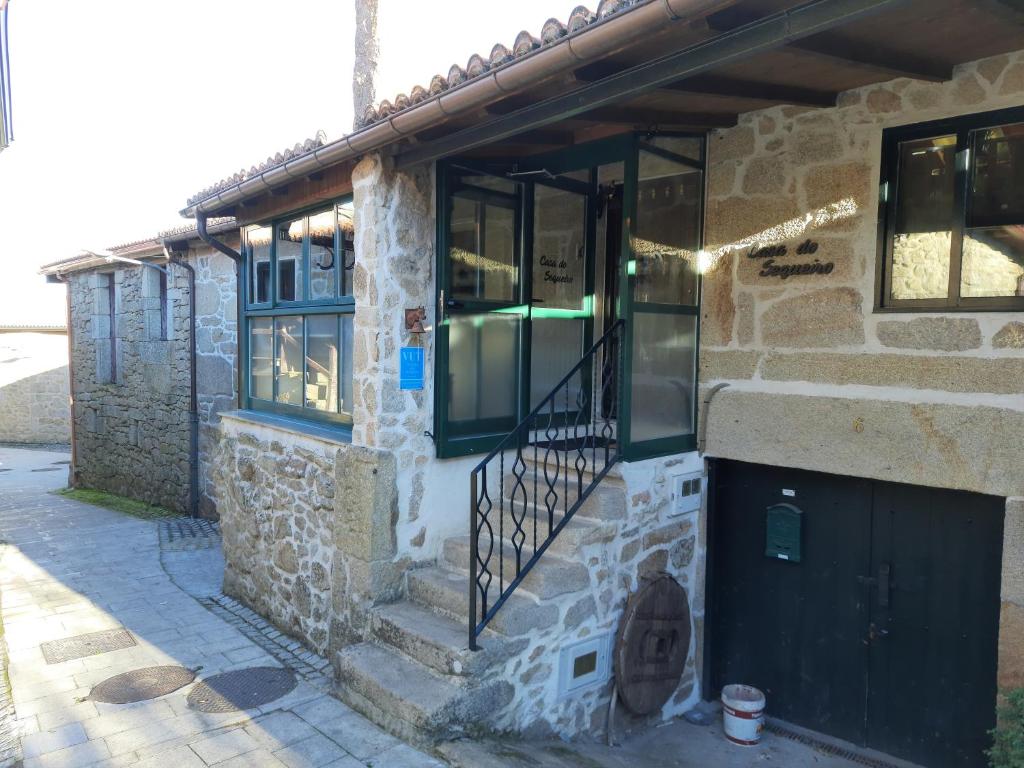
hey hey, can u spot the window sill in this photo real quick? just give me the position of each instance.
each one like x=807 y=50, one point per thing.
x=337 y=434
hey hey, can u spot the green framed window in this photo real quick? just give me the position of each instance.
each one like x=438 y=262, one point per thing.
x=951 y=215
x=539 y=256
x=298 y=314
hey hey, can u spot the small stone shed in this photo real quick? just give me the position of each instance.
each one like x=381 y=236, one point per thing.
x=131 y=365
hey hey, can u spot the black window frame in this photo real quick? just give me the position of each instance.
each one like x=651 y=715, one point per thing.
x=963 y=127
x=340 y=306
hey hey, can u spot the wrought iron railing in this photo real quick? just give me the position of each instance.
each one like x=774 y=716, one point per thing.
x=554 y=458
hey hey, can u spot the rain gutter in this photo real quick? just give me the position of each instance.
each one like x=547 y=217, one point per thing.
x=570 y=52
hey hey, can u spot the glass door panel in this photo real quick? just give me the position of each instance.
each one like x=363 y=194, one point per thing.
x=483 y=318
x=663 y=299
x=561 y=301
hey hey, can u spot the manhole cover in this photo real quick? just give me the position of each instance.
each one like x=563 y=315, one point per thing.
x=80 y=646
x=241 y=689
x=141 y=684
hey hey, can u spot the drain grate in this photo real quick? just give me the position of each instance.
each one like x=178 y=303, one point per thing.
x=827 y=748
x=141 y=684
x=80 y=646
x=186 y=533
x=241 y=689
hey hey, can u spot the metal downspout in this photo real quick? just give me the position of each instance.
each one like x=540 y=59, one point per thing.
x=193 y=399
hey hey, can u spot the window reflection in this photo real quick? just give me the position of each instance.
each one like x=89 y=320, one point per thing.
x=288 y=359
x=924 y=211
x=322 y=363
x=482 y=250
x=290 y=278
x=993 y=250
x=258 y=240
x=347 y=249
x=322 y=262
x=261 y=358
x=667 y=231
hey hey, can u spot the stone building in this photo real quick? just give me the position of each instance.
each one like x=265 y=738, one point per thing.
x=724 y=295
x=34 y=384
x=132 y=363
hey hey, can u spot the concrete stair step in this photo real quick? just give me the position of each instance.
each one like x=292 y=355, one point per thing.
x=408 y=699
x=448 y=591
x=550 y=577
x=437 y=641
x=605 y=503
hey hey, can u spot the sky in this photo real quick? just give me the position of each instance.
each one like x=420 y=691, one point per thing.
x=125 y=108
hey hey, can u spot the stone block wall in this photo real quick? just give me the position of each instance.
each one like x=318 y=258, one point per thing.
x=132 y=394
x=34 y=395
x=308 y=527
x=131 y=419
x=819 y=380
x=648 y=538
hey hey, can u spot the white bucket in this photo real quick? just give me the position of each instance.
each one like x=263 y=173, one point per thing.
x=742 y=714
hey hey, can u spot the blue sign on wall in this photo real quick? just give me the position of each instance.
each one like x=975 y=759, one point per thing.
x=410 y=368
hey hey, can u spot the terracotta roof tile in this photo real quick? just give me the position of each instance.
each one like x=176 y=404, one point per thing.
x=214 y=224
x=279 y=158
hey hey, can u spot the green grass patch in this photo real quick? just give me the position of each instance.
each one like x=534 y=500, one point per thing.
x=133 y=507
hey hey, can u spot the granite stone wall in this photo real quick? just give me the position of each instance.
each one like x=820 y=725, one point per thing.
x=308 y=527
x=34 y=405
x=817 y=378
x=132 y=394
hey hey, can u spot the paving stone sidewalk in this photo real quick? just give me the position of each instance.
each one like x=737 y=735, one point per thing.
x=69 y=568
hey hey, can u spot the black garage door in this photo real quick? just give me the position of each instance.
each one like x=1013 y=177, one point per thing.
x=880 y=628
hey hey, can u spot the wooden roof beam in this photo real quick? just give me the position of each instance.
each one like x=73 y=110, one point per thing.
x=838 y=51
x=727 y=87
x=642 y=117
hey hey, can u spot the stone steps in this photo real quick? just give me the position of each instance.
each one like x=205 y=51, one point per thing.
x=448 y=591
x=607 y=502
x=410 y=700
x=436 y=641
x=579 y=532
x=550 y=577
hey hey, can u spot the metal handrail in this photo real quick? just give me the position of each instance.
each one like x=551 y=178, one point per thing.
x=596 y=407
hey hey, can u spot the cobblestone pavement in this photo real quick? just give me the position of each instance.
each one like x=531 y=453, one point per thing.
x=70 y=568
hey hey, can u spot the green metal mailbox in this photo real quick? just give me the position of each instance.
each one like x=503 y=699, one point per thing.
x=782 y=532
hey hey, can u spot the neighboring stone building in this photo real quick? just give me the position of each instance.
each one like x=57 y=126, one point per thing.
x=34 y=385
x=131 y=365
x=470 y=427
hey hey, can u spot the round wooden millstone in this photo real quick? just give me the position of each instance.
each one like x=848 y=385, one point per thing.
x=141 y=684
x=652 y=645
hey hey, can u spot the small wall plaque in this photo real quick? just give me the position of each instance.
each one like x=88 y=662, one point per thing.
x=783 y=529
x=410 y=368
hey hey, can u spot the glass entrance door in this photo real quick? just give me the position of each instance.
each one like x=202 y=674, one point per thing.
x=561 y=285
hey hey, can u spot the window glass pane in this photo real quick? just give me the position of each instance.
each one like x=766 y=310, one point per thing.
x=261 y=358
x=664 y=361
x=557 y=345
x=347 y=237
x=483 y=354
x=924 y=217
x=559 y=249
x=288 y=359
x=687 y=146
x=290 y=279
x=493 y=183
x=345 y=406
x=482 y=250
x=322 y=263
x=993 y=249
x=667 y=232
x=322 y=363
x=258 y=239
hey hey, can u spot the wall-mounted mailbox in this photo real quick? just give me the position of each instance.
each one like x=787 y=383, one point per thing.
x=782 y=532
